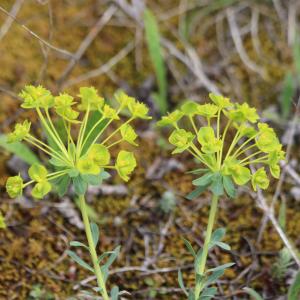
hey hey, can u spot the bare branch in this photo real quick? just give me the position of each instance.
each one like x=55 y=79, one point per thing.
x=103 y=68
x=8 y=22
x=61 y=51
x=103 y=20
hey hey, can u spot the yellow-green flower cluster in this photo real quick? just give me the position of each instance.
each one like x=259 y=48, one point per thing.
x=226 y=162
x=82 y=152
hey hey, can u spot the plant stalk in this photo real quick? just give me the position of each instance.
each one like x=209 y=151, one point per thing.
x=210 y=225
x=92 y=248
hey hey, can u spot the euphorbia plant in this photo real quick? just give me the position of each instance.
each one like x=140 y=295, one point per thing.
x=224 y=166
x=78 y=157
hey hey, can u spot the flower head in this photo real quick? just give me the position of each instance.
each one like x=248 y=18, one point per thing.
x=14 y=186
x=125 y=164
x=36 y=96
x=128 y=134
x=138 y=110
x=220 y=101
x=171 y=119
x=243 y=113
x=182 y=139
x=251 y=143
x=207 y=110
x=110 y=113
x=80 y=155
x=208 y=141
x=20 y=132
x=90 y=98
x=189 y=108
x=88 y=166
x=260 y=179
x=99 y=155
x=123 y=99
x=63 y=107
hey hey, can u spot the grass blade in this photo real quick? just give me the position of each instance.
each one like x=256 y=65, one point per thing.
x=20 y=150
x=155 y=52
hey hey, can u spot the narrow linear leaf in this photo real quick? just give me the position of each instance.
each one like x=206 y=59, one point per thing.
x=189 y=247
x=181 y=283
x=114 y=293
x=20 y=150
x=81 y=262
x=222 y=267
x=294 y=290
x=155 y=52
x=253 y=293
x=203 y=180
x=214 y=277
x=196 y=192
x=229 y=186
x=222 y=245
x=287 y=93
x=282 y=214
x=78 y=244
x=95 y=233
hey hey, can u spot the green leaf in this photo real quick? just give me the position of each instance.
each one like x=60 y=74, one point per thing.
x=198 y=171
x=81 y=262
x=20 y=150
x=222 y=267
x=73 y=172
x=217 y=236
x=217 y=185
x=95 y=233
x=287 y=93
x=78 y=244
x=296 y=55
x=203 y=180
x=114 y=293
x=197 y=261
x=62 y=185
x=294 y=290
x=196 y=192
x=80 y=185
x=94 y=117
x=229 y=186
x=282 y=214
x=191 y=295
x=253 y=293
x=189 y=247
x=112 y=257
x=223 y=245
x=214 y=277
x=155 y=52
x=181 y=283
x=103 y=255
x=95 y=179
x=208 y=293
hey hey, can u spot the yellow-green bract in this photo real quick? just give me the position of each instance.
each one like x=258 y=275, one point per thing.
x=80 y=160
x=253 y=143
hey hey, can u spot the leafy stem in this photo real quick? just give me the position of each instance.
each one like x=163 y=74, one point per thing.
x=92 y=248
x=211 y=220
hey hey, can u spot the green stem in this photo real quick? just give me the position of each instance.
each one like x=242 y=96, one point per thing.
x=117 y=130
x=210 y=225
x=92 y=248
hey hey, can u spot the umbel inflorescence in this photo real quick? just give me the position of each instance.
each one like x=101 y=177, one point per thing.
x=78 y=157
x=254 y=143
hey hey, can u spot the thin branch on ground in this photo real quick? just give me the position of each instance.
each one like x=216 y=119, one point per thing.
x=9 y=21
x=65 y=53
x=103 y=68
x=103 y=20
